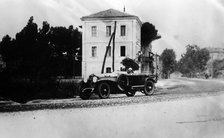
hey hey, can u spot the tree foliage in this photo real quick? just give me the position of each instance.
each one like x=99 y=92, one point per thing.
x=148 y=34
x=129 y=63
x=193 y=61
x=35 y=56
x=168 y=58
x=44 y=52
x=66 y=44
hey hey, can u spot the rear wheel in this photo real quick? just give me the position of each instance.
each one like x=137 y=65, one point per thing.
x=149 y=88
x=104 y=90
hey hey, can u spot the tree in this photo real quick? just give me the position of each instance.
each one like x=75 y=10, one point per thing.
x=27 y=47
x=10 y=54
x=129 y=63
x=44 y=52
x=66 y=44
x=193 y=61
x=148 y=34
x=20 y=52
x=36 y=56
x=202 y=59
x=168 y=58
x=6 y=47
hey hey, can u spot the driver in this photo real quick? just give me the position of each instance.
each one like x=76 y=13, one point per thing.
x=130 y=71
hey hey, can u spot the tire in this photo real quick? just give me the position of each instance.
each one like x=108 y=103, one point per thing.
x=130 y=93
x=123 y=82
x=85 y=93
x=149 y=88
x=104 y=90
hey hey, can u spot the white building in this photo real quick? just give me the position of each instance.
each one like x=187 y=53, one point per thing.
x=216 y=53
x=97 y=29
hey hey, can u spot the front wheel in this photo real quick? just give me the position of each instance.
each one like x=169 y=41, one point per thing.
x=104 y=90
x=149 y=88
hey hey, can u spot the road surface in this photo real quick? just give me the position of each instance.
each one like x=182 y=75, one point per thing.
x=199 y=117
x=196 y=111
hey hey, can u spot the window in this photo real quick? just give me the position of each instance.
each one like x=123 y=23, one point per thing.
x=109 y=51
x=94 y=31
x=108 y=30
x=94 y=51
x=123 y=51
x=108 y=70
x=123 y=29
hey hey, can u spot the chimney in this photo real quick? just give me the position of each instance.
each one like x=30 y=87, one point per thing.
x=124 y=8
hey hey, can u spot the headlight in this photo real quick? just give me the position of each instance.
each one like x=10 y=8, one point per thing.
x=94 y=79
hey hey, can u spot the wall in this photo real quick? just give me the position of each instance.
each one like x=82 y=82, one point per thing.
x=130 y=40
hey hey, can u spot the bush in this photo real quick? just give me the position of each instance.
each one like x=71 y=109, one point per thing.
x=68 y=87
x=22 y=89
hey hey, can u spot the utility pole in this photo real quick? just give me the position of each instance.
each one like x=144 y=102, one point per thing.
x=212 y=68
x=107 y=49
x=156 y=64
x=115 y=24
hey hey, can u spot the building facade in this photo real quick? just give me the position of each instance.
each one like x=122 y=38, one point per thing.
x=97 y=30
x=215 y=54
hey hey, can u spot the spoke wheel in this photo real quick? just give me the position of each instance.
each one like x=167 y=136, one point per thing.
x=104 y=90
x=149 y=88
x=123 y=82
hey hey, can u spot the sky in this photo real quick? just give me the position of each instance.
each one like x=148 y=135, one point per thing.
x=179 y=22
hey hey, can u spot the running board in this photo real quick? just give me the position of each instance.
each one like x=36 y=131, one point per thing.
x=137 y=86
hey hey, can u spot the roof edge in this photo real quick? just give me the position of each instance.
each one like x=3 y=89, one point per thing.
x=111 y=18
x=100 y=16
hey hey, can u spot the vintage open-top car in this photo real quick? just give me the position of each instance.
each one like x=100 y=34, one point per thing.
x=105 y=84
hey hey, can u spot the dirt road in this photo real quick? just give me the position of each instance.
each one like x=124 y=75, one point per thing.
x=181 y=108
x=198 y=117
